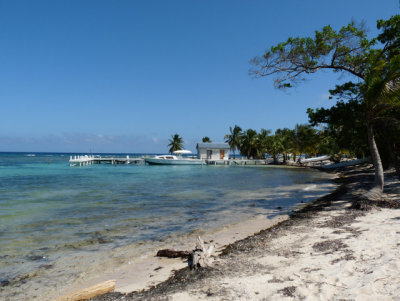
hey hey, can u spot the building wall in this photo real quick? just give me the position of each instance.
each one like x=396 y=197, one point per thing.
x=202 y=154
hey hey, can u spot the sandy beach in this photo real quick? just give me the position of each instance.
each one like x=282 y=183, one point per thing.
x=182 y=150
x=326 y=251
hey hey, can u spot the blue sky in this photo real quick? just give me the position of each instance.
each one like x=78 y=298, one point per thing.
x=123 y=76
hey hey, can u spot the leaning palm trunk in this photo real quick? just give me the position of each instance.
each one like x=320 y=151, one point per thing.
x=375 y=193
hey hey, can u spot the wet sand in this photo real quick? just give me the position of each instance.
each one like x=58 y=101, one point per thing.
x=324 y=251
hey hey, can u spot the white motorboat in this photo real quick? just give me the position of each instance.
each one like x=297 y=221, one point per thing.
x=175 y=159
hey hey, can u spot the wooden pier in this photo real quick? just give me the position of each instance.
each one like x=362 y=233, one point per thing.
x=85 y=160
x=89 y=160
x=238 y=162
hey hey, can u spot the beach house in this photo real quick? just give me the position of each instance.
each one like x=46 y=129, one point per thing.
x=213 y=151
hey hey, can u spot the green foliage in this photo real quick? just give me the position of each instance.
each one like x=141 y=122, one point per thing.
x=175 y=143
x=206 y=139
x=341 y=51
x=233 y=139
x=375 y=93
x=344 y=128
x=390 y=34
x=304 y=139
x=250 y=144
x=275 y=146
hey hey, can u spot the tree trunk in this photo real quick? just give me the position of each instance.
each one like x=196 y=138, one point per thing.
x=376 y=191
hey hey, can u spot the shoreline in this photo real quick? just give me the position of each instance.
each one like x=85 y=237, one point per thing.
x=321 y=235
x=155 y=270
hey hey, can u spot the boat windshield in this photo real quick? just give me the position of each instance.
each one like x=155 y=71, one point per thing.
x=166 y=157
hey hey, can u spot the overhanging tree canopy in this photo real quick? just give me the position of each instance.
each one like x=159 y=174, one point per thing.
x=374 y=63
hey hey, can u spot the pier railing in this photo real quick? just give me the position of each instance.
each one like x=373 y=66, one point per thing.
x=89 y=160
x=84 y=160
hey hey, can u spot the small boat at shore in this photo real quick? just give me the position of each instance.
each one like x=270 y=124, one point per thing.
x=175 y=159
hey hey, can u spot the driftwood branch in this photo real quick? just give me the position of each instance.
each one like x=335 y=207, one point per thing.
x=172 y=253
x=200 y=256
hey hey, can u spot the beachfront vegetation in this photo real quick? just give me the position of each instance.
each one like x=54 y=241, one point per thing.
x=302 y=140
x=233 y=138
x=206 y=139
x=175 y=143
x=366 y=106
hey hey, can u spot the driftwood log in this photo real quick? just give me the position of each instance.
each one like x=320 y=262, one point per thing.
x=200 y=257
x=172 y=253
x=90 y=292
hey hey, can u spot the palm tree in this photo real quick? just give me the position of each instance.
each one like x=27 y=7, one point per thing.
x=287 y=140
x=233 y=139
x=275 y=146
x=176 y=143
x=206 y=139
x=380 y=92
x=249 y=144
x=304 y=139
x=263 y=139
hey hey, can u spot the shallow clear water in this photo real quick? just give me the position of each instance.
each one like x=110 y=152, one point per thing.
x=50 y=211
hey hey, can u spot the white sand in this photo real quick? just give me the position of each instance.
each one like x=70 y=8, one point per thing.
x=365 y=265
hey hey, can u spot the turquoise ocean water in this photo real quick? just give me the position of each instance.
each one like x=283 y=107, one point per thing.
x=51 y=212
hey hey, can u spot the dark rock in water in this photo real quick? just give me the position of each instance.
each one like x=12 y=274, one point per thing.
x=18 y=280
x=36 y=257
x=279 y=207
x=102 y=240
x=4 y=283
x=46 y=266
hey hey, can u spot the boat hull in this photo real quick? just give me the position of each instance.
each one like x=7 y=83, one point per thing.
x=158 y=161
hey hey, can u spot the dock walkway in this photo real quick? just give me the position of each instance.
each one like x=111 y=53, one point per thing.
x=84 y=160
x=238 y=162
x=89 y=160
